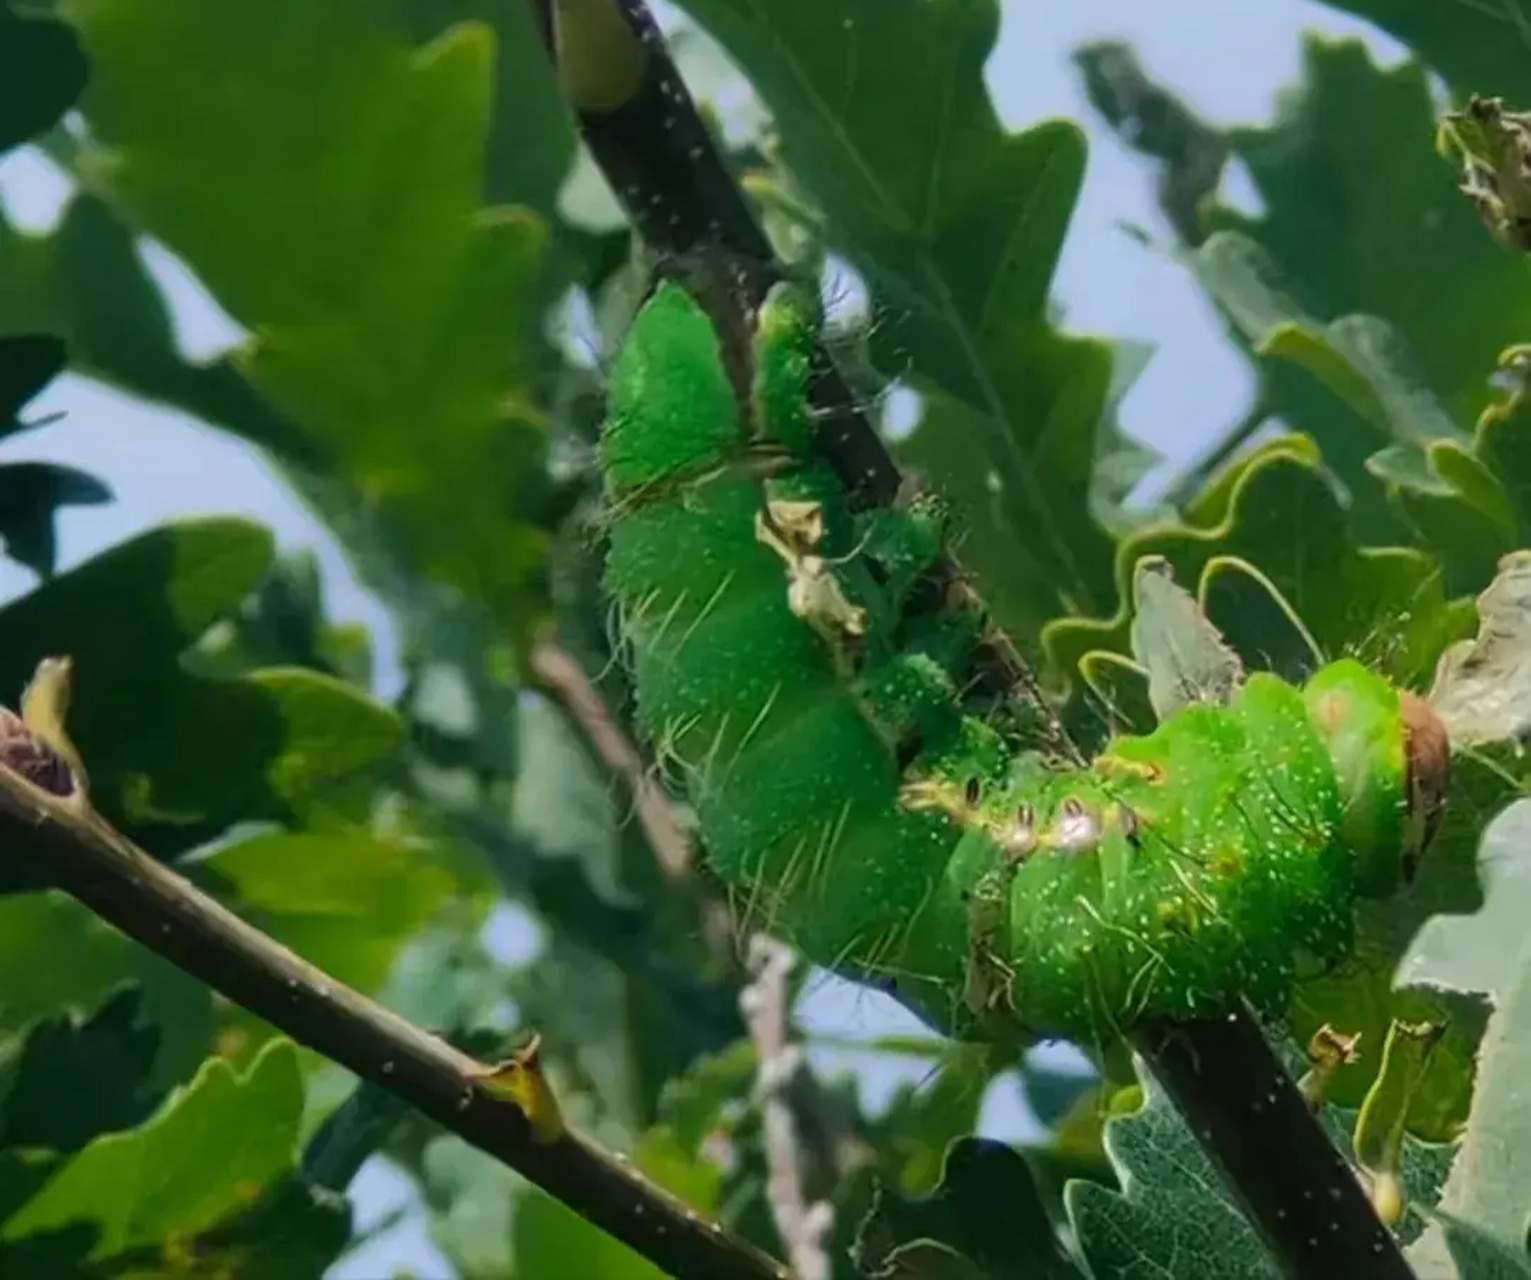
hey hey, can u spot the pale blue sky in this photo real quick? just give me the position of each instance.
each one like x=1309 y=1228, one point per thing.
x=1228 y=61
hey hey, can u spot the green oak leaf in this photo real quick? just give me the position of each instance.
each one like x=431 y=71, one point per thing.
x=392 y=315
x=283 y=624
x=1487 y=1189
x=1474 y=1254
x=1480 y=952
x=1352 y=384
x=552 y=1240
x=47 y=1254
x=922 y=1121
x=531 y=143
x=77 y=1077
x=474 y=1201
x=166 y=749
x=58 y=959
x=1174 y=1215
x=1362 y=360
x=1477 y=48
x=1364 y=998
x=703 y=1099
x=1352 y=187
x=343 y=900
x=1469 y=501
x=205 y=1154
x=956 y=223
x=1456 y=506
x=1276 y=511
x=290 y=1231
x=985 y=1221
x=42 y=71
x=352 y=902
x=86 y=282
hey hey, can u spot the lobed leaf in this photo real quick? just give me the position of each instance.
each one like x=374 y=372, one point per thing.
x=207 y=1152
x=985 y=1221
x=1477 y=48
x=1276 y=510
x=1351 y=187
x=391 y=313
x=166 y=750
x=1487 y=1187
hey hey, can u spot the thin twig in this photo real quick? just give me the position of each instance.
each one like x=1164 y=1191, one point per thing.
x=826 y=1140
x=804 y=1228
x=563 y=677
x=80 y=853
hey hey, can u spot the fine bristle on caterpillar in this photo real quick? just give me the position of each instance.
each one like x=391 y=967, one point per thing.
x=789 y=665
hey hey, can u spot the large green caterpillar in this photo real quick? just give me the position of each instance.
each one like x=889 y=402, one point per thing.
x=787 y=660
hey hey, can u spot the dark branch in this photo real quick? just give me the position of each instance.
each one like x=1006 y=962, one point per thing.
x=94 y=863
x=637 y=117
x=1297 y=1190
x=635 y=114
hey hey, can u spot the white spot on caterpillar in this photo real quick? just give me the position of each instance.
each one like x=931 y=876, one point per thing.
x=1077 y=829
x=1018 y=837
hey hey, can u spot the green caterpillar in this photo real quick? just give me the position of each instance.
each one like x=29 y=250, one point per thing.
x=791 y=666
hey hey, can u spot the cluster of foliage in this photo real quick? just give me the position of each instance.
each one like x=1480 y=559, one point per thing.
x=387 y=195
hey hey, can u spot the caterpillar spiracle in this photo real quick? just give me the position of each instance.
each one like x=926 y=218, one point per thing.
x=809 y=698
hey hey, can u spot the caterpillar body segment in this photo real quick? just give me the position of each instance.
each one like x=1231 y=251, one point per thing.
x=784 y=659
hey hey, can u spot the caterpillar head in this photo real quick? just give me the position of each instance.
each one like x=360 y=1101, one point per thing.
x=1392 y=759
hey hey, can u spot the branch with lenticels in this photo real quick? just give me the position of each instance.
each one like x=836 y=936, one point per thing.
x=507 y=1111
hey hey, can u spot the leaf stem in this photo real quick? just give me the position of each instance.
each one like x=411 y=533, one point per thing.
x=87 y=858
x=1296 y=1189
